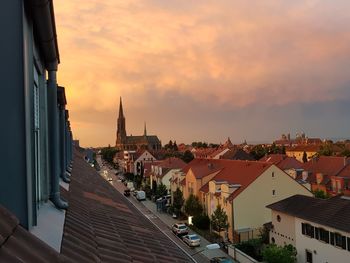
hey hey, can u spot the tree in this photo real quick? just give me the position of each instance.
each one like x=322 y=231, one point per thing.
x=320 y=194
x=175 y=148
x=276 y=254
x=202 y=221
x=192 y=206
x=178 y=200
x=187 y=156
x=258 y=151
x=161 y=190
x=108 y=154
x=304 y=157
x=326 y=150
x=219 y=220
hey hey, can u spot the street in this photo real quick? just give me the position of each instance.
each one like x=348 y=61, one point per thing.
x=162 y=221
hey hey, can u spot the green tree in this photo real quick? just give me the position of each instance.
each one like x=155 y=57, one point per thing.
x=276 y=254
x=175 y=148
x=258 y=151
x=219 y=219
x=187 y=156
x=192 y=206
x=108 y=154
x=325 y=150
x=320 y=194
x=161 y=190
x=202 y=221
x=304 y=157
x=178 y=200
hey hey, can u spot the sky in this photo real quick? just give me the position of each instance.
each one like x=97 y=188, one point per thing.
x=205 y=70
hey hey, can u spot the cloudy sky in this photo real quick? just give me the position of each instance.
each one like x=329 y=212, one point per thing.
x=206 y=70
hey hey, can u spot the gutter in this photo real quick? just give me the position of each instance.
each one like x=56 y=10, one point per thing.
x=45 y=28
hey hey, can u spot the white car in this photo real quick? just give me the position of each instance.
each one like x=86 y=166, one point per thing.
x=192 y=240
x=179 y=229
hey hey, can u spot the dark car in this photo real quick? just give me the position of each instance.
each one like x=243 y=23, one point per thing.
x=221 y=260
x=127 y=192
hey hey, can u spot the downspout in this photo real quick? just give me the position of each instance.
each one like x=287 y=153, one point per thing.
x=54 y=141
x=62 y=144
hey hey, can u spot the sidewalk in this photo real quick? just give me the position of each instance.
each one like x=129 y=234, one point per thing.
x=169 y=221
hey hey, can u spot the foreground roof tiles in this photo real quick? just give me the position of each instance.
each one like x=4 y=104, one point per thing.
x=18 y=245
x=102 y=226
x=333 y=212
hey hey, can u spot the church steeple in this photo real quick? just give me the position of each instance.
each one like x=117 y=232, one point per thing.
x=121 y=131
x=145 y=131
x=121 y=114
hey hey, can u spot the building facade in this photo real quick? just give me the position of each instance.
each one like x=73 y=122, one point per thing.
x=319 y=229
x=36 y=139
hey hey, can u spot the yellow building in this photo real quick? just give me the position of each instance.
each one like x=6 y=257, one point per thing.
x=243 y=189
x=298 y=151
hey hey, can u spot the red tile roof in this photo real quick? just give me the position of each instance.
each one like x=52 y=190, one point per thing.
x=172 y=163
x=241 y=172
x=304 y=148
x=327 y=165
x=282 y=161
x=203 y=167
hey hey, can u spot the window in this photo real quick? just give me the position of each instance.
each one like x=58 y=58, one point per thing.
x=324 y=235
x=308 y=230
x=273 y=241
x=332 y=238
x=348 y=241
x=278 y=218
x=317 y=233
x=273 y=192
x=340 y=241
x=308 y=256
x=273 y=174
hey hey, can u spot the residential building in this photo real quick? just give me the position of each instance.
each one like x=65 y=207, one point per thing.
x=298 y=151
x=198 y=173
x=163 y=171
x=322 y=173
x=319 y=229
x=36 y=139
x=125 y=142
x=243 y=189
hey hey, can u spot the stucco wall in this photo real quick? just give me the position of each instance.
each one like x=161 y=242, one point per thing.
x=321 y=252
x=250 y=205
x=283 y=232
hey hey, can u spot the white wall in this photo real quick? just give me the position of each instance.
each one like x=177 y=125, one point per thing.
x=283 y=232
x=321 y=252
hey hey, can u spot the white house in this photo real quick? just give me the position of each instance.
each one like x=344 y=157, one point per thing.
x=319 y=229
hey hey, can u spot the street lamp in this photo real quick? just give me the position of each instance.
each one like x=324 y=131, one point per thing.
x=207 y=247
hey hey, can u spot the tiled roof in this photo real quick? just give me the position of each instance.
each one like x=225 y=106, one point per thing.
x=304 y=148
x=327 y=165
x=333 y=212
x=18 y=245
x=240 y=172
x=204 y=188
x=203 y=167
x=102 y=226
x=282 y=161
x=172 y=163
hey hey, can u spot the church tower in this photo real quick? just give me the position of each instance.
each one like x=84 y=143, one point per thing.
x=121 y=132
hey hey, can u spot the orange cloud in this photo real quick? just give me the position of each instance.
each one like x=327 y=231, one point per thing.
x=229 y=53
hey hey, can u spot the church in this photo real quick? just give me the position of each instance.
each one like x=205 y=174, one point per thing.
x=124 y=142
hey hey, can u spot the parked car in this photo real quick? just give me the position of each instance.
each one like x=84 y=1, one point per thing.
x=127 y=192
x=140 y=195
x=192 y=240
x=221 y=260
x=179 y=229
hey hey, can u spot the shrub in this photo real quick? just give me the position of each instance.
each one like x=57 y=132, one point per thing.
x=201 y=221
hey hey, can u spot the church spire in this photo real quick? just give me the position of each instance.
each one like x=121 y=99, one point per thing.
x=145 y=131
x=121 y=114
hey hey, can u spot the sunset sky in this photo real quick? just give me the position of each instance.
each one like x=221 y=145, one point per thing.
x=205 y=70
